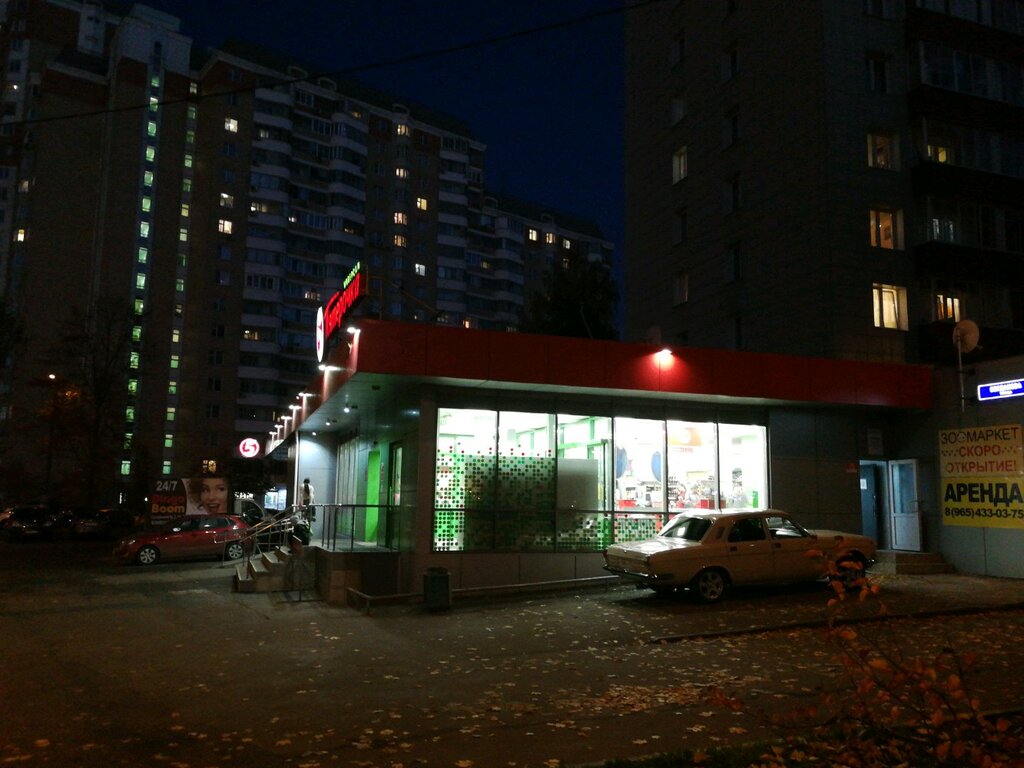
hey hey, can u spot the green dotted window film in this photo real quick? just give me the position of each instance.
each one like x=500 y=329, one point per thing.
x=584 y=481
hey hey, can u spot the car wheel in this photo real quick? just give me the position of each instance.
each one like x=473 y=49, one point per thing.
x=710 y=585
x=147 y=555
x=234 y=551
x=849 y=571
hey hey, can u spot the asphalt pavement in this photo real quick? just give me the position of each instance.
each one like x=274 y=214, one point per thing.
x=110 y=665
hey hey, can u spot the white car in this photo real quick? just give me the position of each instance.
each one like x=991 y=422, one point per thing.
x=709 y=551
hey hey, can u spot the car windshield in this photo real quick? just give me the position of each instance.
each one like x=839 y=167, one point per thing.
x=688 y=528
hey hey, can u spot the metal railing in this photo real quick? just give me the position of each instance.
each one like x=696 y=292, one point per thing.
x=359 y=526
x=273 y=531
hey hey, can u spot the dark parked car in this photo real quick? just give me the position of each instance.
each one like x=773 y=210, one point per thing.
x=86 y=521
x=185 y=538
x=28 y=521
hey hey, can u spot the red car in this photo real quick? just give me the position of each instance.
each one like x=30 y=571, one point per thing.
x=185 y=538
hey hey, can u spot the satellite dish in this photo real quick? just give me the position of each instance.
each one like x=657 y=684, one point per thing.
x=965 y=336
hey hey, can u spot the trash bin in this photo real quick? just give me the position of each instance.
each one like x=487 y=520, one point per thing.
x=437 y=589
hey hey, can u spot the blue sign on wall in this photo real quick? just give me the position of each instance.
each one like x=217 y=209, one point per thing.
x=1001 y=390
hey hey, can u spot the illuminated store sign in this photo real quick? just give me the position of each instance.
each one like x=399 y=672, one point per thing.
x=1001 y=390
x=249 y=448
x=329 y=317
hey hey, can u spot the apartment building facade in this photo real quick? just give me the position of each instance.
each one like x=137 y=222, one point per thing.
x=840 y=179
x=198 y=207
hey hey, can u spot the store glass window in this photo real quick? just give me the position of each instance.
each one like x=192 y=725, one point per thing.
x=466 y=467
x=742 y=452
x=692 y=465
x=639 y=463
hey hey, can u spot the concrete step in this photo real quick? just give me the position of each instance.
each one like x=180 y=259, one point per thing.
x=899 y=561
x=244 y=582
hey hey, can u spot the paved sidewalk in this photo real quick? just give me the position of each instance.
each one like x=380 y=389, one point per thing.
x=125 y=666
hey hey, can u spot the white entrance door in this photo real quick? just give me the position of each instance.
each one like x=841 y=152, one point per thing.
x=904 y=507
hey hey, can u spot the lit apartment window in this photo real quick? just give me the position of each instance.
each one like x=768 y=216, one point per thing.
x=140 y=281
x=190 y=138
x=421 y=203
x=140 y=306
x=549 y=238
x=401 y=129
x=226 y=200
x=172 y=387
x=251 y=334
x=223 y=225
x=143 y=255
x=186 y=186
x=136 y=333
x=143 y=230
x=147 y=204
x=168 y=440
x=885 y=229
x=175 y=336
x=947 y=307
x=183 y=235
x=154 y=103
x=401 y=173
x=566 y=243
x=192 y=111
x=188 y=160
x=171 y=413
x=400 y=241
x=185 y=210
x=154 y=81
x=401 y=218
x=939 y=153
x=165 y=468
x=151 y=128
x=150 y=154
x=21 y=234
x=890 y=304
x=179 y=285
x=679 y=161
x=147 y=178
x=133 y=360
x=231 y=124
x=532 y=235
x=882 y=151
x=175 y=361
x=421 y=270
x=126 y=468
x=129 y=414
x=133 y=386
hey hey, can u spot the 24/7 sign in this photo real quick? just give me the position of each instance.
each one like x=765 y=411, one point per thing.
x=982 y=476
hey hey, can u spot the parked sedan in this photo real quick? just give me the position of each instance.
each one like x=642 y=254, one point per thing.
x=709 y=551
x=185 y=538
x=28 y=521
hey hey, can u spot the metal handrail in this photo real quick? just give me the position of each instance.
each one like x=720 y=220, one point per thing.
x=276 y=523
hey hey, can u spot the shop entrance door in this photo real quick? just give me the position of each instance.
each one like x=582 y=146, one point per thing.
x=904 y=509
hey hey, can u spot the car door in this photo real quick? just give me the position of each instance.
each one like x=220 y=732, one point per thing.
x=794 y=547
x=212 y=536
x=750 y=554
x=180 y=538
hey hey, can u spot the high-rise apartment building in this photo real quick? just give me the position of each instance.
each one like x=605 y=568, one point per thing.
x=841 y=179
x=177 y=216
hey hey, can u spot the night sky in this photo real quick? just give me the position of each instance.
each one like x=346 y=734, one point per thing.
x=548 y=105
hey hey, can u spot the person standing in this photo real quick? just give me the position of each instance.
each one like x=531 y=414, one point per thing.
x=307 y=499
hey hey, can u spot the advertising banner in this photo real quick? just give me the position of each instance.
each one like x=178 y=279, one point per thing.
x=206 y=495
x=982 y=476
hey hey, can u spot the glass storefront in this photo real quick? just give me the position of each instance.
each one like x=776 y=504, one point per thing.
x=522 y=481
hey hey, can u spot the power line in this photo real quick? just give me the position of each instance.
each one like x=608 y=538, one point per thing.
x=348 y=71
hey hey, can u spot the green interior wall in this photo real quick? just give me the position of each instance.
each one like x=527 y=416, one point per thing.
x=372 y=494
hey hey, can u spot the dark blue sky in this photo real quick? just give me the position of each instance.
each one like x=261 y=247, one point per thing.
x=548 y=105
